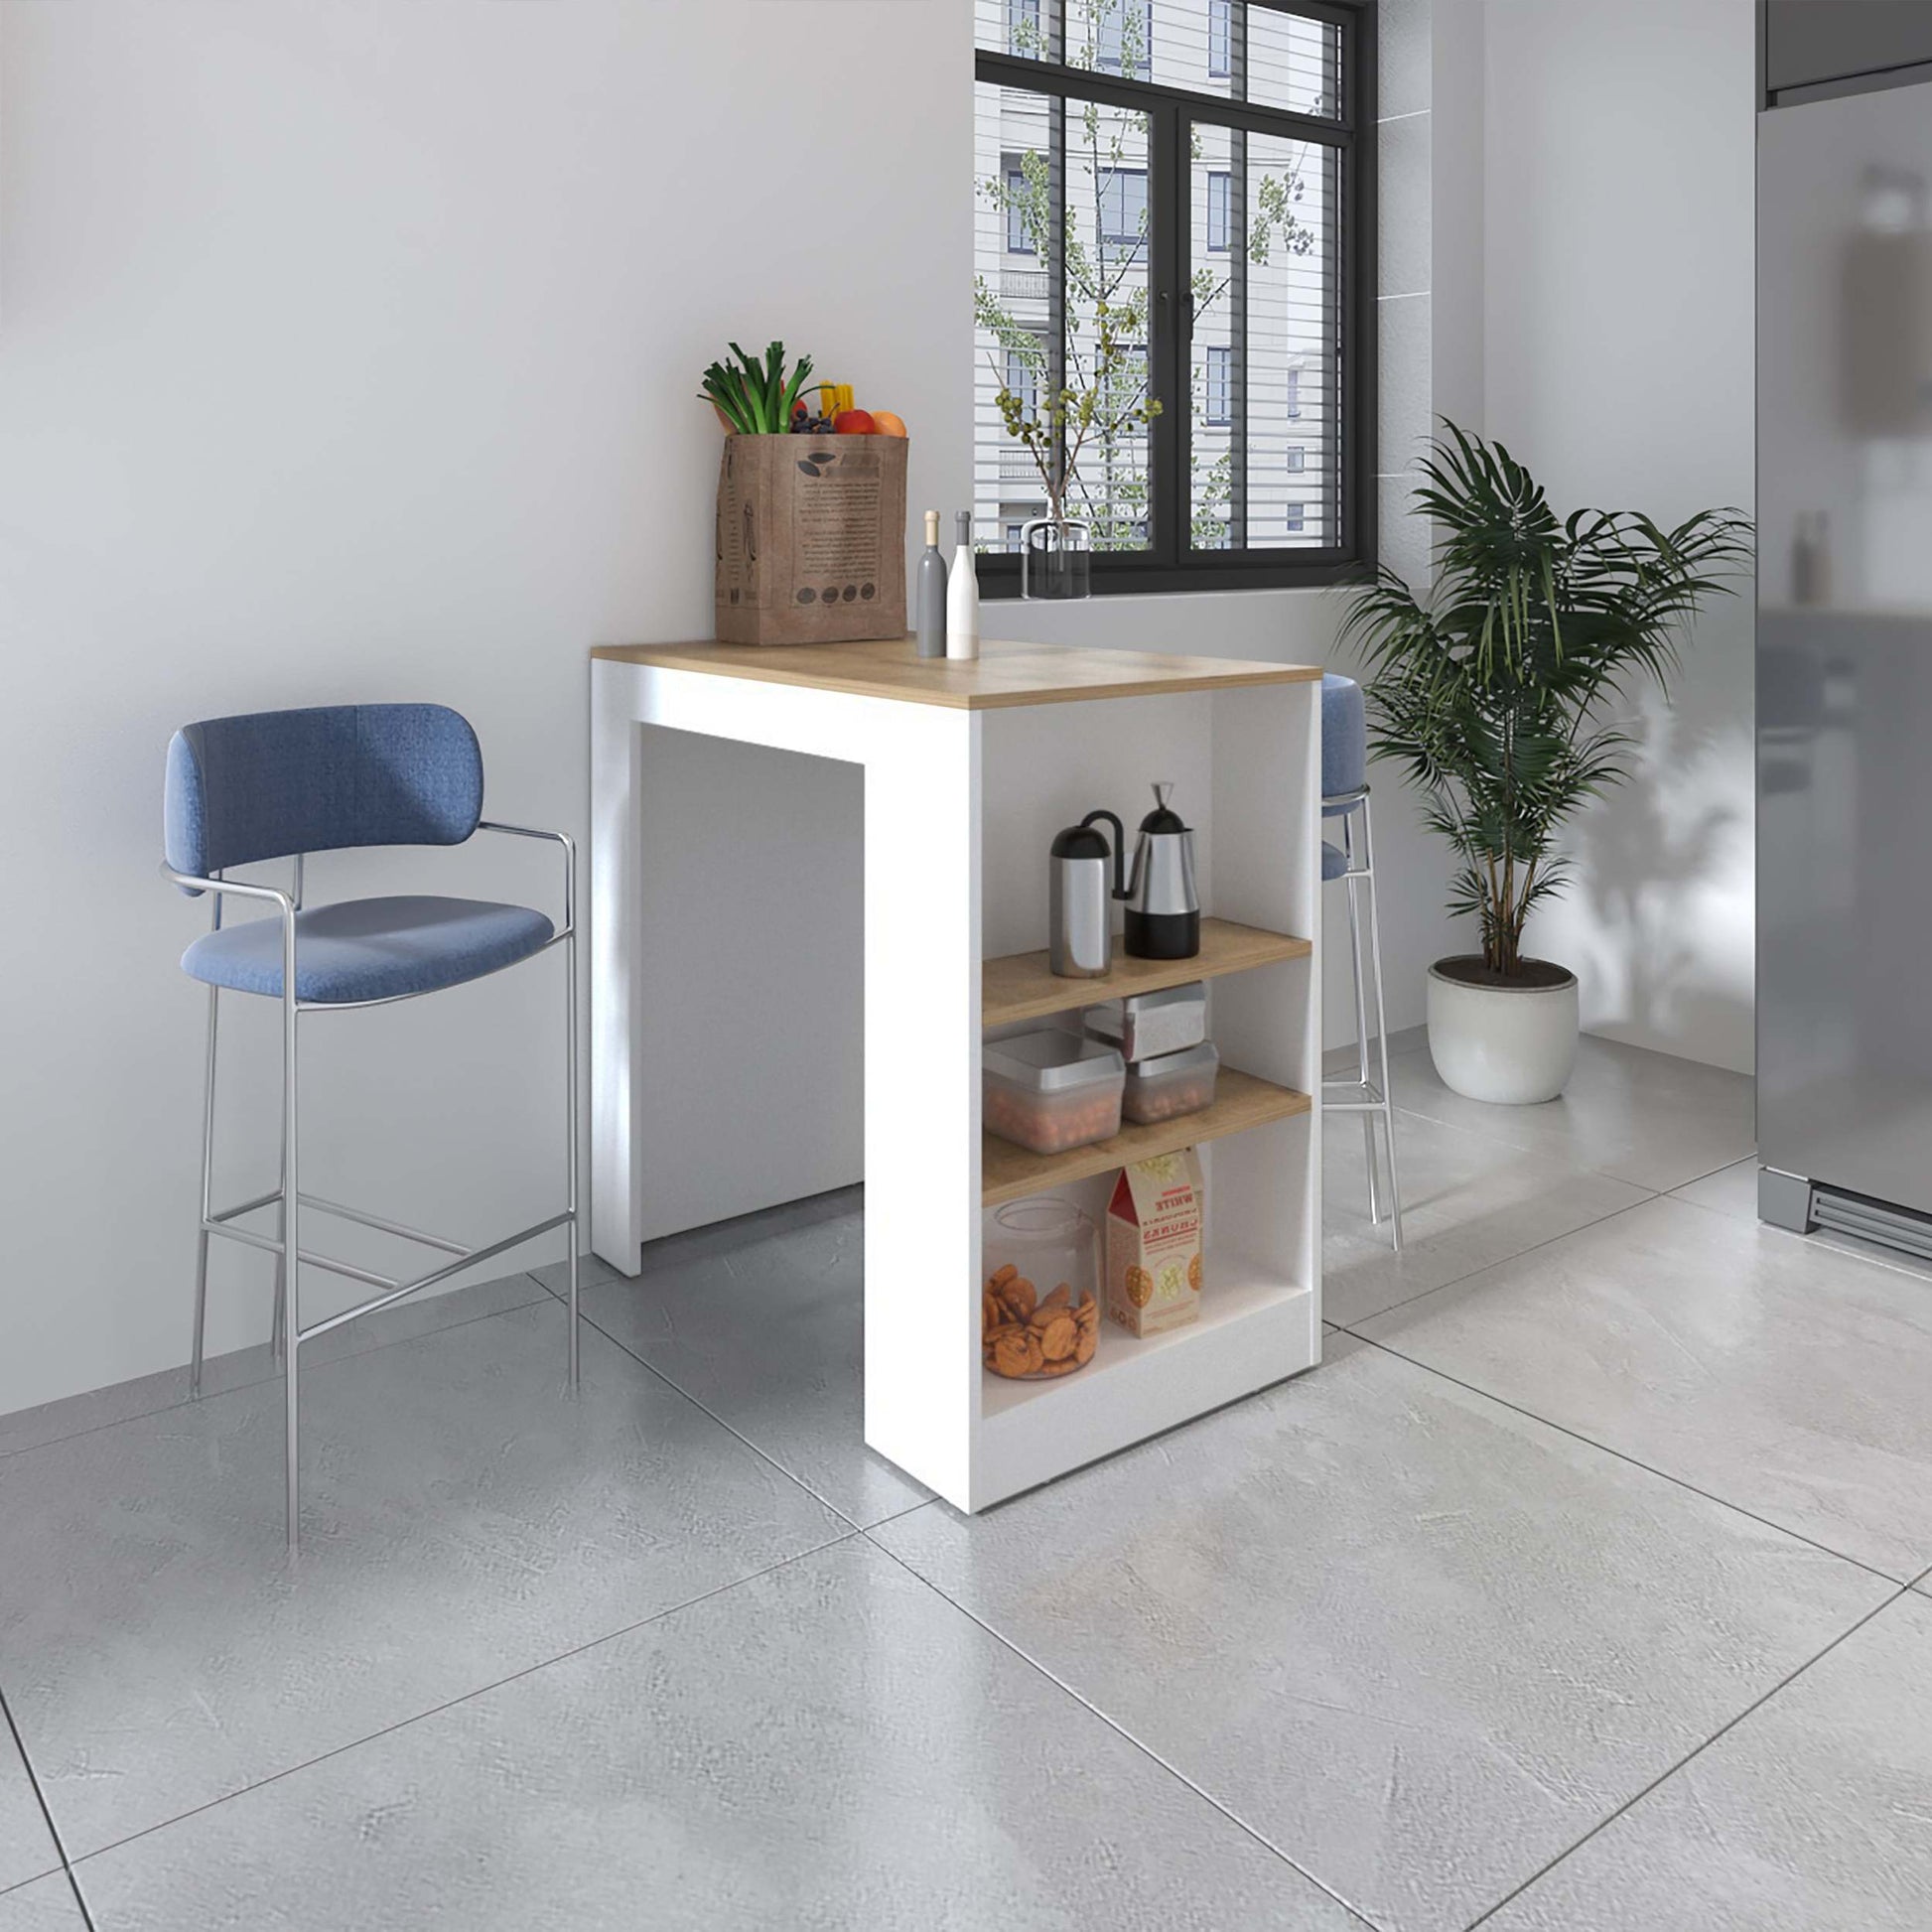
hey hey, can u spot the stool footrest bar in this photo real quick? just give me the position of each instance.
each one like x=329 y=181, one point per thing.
x=398 y=1290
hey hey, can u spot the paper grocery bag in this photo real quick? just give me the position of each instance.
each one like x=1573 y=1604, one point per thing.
x=811 y=539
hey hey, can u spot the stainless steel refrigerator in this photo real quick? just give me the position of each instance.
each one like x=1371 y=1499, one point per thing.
x=1845 y=637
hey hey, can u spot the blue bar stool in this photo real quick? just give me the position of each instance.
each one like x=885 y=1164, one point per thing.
x=1344 y=796
x=277 y=785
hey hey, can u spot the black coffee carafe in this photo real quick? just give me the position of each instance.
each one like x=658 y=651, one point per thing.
x=1163 y=906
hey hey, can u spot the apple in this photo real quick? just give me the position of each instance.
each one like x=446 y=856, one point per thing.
x=853 y=422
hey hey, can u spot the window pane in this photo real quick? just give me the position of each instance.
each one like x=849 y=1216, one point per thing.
x=1013 y=26
x=1071 y=180
x=1293 y=63
x=1263 y=466
x=1111 y=37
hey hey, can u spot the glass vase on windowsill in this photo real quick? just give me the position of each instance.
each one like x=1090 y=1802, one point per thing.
x=1056 y=558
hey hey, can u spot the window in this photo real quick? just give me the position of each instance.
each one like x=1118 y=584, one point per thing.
x=1122 y=34
x=1218 y=214
x=1123 y=206
x=1175 y=201
x=1019 y=240
x=1220 y=380
x=1023 y=378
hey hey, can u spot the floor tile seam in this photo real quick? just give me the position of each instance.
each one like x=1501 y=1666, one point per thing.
x=652 y=1368
x=1501 y=1260
x=465 y=1696
x=1697 y=1751
x=275 y=1375
x=1489 y=1137
x=1634 y=1461
x=1492 y=1137
x=1120 y=1730
x=66 y=1866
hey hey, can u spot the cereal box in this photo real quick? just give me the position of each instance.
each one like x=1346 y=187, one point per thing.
x=1156 y=1231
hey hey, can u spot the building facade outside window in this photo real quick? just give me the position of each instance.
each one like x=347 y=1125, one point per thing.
x=1190 y=181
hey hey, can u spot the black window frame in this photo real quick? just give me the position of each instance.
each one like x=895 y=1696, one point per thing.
x=1171 y=564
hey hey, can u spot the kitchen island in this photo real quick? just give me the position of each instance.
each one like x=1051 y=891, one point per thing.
x=968 y=772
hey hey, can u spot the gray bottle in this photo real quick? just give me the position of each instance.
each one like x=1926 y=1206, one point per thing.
x=931 y=602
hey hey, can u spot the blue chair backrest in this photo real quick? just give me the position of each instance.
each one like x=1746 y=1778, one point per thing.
x=276 y=782
x=1344 y=736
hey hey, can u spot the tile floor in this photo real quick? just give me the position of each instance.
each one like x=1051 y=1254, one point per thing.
x=1582 y=1589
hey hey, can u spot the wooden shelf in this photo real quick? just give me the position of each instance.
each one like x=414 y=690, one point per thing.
x=1023 y=986
x=1256 y=1328
x=1240 y=1102
x=1247 y=1300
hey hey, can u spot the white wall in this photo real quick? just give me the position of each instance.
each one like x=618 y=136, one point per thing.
x=1618 y=247
x=348 y=349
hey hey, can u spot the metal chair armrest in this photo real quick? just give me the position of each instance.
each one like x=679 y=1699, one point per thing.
x=570 y=860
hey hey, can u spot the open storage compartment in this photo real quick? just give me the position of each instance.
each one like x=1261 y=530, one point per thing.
x=1243 y=766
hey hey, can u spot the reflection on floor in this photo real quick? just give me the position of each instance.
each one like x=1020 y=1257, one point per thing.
x=1575 y=1590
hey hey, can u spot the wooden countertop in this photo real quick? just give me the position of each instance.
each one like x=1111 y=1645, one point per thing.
x=1002 y=675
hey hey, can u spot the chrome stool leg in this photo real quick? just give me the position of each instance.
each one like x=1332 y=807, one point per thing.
x=1381 y=1028
x=570 y=1130
x=1361 y=1012
x=290 y=1284
x=1365 y=1095
x=208 y=1198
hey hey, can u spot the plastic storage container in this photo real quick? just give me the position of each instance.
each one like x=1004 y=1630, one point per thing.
x=1039 y=1311
x=1171 y=1084
x=1146 y=1025
x=1048 y=1091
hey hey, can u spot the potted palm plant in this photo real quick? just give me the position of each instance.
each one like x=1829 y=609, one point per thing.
x=1500 y=696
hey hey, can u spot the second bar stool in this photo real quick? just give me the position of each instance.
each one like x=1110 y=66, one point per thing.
x=1344 y=796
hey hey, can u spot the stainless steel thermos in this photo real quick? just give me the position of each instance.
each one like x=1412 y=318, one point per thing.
x=1084 y=883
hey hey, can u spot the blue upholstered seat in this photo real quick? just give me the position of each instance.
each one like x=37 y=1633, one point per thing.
x=371 y=948
x=276 y=782
x=1344 y=743
x=1335 y=861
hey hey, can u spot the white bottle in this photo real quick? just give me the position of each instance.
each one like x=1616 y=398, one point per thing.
x=963 y=597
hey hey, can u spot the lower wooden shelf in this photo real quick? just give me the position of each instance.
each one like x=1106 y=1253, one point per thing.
x=1255 y=1328
x=1241 y=1101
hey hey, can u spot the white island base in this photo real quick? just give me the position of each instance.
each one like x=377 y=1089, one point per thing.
x=968 y=772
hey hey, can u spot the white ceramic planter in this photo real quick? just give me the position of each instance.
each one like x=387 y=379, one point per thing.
x=1511 y=1044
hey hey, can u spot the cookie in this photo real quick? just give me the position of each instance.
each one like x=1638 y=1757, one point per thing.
x=1058 y=1338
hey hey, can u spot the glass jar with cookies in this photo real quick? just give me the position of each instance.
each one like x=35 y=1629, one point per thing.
x=1040 y=1312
